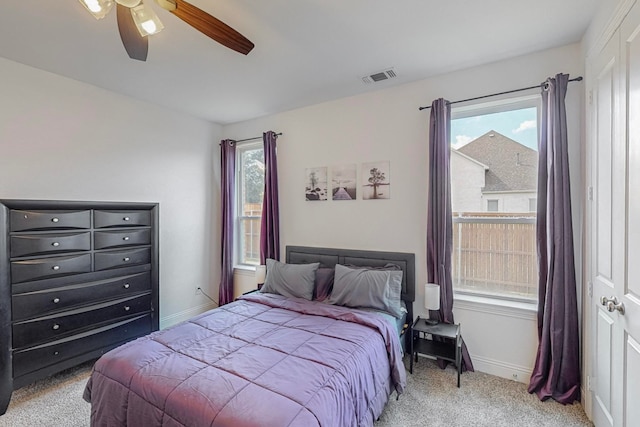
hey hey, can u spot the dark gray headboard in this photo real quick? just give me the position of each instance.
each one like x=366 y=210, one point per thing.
x=329 y=257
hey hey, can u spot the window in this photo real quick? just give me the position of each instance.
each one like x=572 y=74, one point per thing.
x=494 y=166
x=533 y=204
x=249 y=192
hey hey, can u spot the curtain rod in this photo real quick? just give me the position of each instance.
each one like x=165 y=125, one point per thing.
x=577 y=79
x=255 y=138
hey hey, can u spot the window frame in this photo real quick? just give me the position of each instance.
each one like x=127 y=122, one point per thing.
x=240 y=179
x=499 y=105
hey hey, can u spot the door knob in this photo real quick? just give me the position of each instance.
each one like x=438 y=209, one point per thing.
x=615 y=305
x=604 y=300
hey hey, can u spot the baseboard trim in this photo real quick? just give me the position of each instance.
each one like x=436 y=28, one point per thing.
x=501 y=369
x=181 y=316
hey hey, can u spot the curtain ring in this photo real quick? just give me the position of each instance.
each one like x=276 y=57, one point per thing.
x=546 y=85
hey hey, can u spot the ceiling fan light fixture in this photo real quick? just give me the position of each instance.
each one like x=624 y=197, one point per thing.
x=146 y=20
x=169 y=5
x=98 y=8
x=129 y=3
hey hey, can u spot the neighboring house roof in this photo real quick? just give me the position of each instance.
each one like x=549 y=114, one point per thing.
x=512 y=166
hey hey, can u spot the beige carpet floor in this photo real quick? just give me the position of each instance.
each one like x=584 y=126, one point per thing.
x=431 y=399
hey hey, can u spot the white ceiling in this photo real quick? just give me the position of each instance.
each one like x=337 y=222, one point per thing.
x=307 y=51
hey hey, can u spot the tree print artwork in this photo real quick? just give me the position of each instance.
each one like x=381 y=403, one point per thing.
x=316 y=186
x=376 y=180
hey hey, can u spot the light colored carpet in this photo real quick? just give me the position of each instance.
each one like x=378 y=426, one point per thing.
x=431 y=399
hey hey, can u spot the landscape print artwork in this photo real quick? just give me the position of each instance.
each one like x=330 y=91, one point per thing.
x=344 y=182
x=376 y=180
x=316 y=188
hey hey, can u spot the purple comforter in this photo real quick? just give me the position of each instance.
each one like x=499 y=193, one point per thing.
x=263 y=360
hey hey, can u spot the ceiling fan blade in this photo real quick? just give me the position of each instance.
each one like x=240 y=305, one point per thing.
x=212 y=27
x=135 y=45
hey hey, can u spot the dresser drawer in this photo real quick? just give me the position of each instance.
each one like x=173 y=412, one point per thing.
x=42 y=268
x=113 y=239
x=34 y=358
x=115 y=259
x=48 y=220
x=103 y=219
x=30 y=332
x=25 y=245
x=39 y=303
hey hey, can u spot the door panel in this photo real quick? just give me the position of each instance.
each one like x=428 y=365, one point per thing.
x=632 y=387
x=630 y=320
x=605 y=102
x=605 y=245
x=614 y=224
x=604 y=347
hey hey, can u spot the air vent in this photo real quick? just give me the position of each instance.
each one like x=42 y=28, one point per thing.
x=379 y=76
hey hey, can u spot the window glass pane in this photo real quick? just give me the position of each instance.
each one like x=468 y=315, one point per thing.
x=494 y=169
x=250 y=186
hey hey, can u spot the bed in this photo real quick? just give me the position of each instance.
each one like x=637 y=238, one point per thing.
x=268 y=358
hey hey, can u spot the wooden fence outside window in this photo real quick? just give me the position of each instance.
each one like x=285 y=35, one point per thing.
x=495 y=253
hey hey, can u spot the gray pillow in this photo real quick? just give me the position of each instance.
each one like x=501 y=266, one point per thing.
x=290 y=280
x=366 y=288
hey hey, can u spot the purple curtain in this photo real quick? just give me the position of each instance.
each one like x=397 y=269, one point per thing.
x=270 y=225
x=556 y=373
x=439 y=222
x=228 y=172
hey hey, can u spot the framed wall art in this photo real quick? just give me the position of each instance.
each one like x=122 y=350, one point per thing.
x=316 y=186
x=344 y=182
x=376 y=180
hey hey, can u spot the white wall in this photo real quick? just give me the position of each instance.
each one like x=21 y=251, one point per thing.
x=386 y=125
x=466 y=188
x=509 y=201
x=62 y=139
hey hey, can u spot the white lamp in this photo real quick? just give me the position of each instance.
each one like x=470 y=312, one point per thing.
x=261 y=275
x=431 y=300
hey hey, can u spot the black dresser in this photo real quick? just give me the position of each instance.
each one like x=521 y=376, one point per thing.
x=76 y=280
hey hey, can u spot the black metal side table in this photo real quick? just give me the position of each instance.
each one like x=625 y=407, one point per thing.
x=449 y=348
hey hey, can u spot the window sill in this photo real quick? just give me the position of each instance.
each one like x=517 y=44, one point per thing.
x=496 y=306
x=245 y=269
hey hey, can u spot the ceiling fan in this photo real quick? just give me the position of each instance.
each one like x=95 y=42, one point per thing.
x=137 y=21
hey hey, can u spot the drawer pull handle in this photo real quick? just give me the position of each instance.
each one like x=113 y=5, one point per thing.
x=56 y=327
x=56 y=300
x=55 y=244
x=126 y=286
x=54 y=219
x=126 y=218
x=127 y=308
x=55 y=267
x=126 y=259
x=125 y=238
